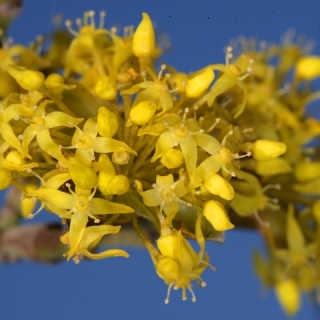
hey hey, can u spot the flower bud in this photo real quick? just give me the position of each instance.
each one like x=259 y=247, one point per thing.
x=216 y=214
x=107 y=122
x=307 y=170
x=272 y=167
x=267 y=149
x=27 y=79
x=288 y=295
x=119 y=185
x=143 y=42
x=316 y=211
x=106 y=88
x=173 y=158
x=219 y=186
x=142 y=112
x=308 y=68
x=5 y=178
x=197 y=85
x=84 y=177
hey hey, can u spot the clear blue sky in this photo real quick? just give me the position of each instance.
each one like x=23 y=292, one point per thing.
x=129 y=288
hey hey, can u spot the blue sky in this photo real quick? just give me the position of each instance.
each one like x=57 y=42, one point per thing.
x=129 y=288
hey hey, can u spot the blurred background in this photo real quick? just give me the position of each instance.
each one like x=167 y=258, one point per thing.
x=129 y=288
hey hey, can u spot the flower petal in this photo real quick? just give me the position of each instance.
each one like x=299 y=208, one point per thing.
x=164 y=181
x=208 y=167
x=77 y=227
x=58 y=118
x=165 y=142
x=106 y=254
x=46 y=144
x=106 y=145
x=93 y=233
x=151 y=198
x=190 y=153
x=207 y=143
x=101 y=206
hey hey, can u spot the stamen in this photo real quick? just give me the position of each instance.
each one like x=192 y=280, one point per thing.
x=260 y=221
x=267 y=187
x=68 y=24
x=79 y=23
x=103 y=15
x=223 y=143
x=162 y=68
x=91 y=15
x=194 y=299
x=32 y=215
x=229 y=55
x=166 y=301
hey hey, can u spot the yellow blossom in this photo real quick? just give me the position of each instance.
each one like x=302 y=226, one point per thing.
x=91 y=236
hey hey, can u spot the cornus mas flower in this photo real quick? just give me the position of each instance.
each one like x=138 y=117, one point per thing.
x=221 y=157
x=188 y=135
x=180 y=144
x=166 y=194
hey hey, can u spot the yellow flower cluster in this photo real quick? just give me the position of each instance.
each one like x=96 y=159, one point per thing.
x=98 y=137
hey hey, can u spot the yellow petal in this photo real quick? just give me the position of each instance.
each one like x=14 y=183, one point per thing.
x=77 y=226
x=106 y=145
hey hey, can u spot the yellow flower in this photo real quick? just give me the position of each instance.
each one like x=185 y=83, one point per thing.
x=156 y=91
x=232 y=75
x=81 y=205
x=39 y=126
x=221 y=157
x=166 y=194
x=86 y=143
x=90 y=238
x=176 y=262
x=188 y=135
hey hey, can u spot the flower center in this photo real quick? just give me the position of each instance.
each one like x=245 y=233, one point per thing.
x=181 y=130
x=37 y=123
x=167 y=194
x=84 y=142
x=81 y=204
x=225 y=155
